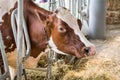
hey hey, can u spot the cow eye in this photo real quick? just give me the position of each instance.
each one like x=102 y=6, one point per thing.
x=61 y=29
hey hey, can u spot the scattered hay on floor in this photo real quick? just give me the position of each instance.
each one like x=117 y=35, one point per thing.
x=94 y=69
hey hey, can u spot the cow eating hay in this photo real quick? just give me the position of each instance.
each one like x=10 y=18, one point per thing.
x=48 y=28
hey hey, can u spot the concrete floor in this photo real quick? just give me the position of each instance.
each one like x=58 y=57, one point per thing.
x=110 y=47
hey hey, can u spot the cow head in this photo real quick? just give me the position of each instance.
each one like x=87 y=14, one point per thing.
x=65 y=34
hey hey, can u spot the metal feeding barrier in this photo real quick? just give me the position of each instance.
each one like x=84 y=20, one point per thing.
x=79 y=8
x=6 y=74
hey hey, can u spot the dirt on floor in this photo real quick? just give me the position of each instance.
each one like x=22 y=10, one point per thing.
x=105 y=65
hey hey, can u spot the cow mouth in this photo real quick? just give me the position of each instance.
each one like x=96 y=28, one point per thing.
x=84 y=52
x=89 y=51
x=77 y=53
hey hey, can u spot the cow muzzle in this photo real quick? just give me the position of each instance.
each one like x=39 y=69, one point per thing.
x=89 y=51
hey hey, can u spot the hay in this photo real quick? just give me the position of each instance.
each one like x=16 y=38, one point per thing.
x=95 y=69
x=113 y=12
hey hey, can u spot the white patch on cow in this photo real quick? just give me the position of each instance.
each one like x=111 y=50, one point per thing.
x=5 y=6
x=54 y=47
x=12 y=72
x=8 y=37
x=67 y=17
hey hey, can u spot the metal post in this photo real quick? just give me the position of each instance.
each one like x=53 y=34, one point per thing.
x=19 y=40
x=49 y=67
x=97 y=20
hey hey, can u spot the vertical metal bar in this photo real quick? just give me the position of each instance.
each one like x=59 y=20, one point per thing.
x=97 y=19
x=63 y=3
x=24 y=72
x=74 y=7
x=13 y=24
x=7 y=73
x=49 y=4
x=53 y=2
x=0 y=74
x=49 y=67
x=59 y=3
x=69 y=4
x=52 y=5
x=19 y=40
x=27 y=52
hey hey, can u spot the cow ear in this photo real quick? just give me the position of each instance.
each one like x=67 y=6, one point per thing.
x=48 y=21
x=79 y=23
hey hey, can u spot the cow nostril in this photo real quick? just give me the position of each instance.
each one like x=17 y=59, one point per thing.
x=87 y=49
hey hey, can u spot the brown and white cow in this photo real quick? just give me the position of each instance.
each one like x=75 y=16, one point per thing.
x=60 y=30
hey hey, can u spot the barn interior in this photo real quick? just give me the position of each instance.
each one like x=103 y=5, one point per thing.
x=105 y=65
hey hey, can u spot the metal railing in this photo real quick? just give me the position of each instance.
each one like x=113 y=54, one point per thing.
x=79 y=8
